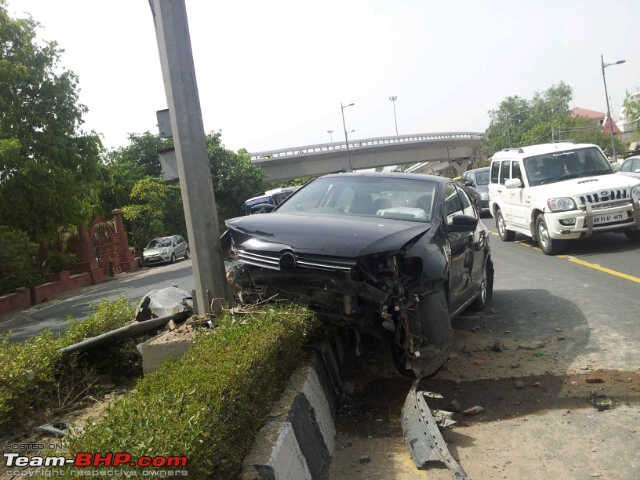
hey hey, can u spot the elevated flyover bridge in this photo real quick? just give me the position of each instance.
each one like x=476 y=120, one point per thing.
x=432 y=151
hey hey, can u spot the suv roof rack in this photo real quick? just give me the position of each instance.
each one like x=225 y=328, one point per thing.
x=518 y=149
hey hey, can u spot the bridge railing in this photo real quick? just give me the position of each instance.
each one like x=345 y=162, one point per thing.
x=264 y=156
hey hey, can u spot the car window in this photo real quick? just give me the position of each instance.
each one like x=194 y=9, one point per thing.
x=467 y=204
x=636 y=164
x=515 y=171
x=558 y=166
x=504 y=172
x=482 y=177
x=398 y=198
x=452 y=203
x=626 y=166
x=495 y=169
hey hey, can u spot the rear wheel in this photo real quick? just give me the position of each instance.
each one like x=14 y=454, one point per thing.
x=547 y=244
x=173 y=258
x=486 y=287
x=186 y=254
x=505 y=235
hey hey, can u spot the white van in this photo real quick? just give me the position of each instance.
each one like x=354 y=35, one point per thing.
x=558 y=191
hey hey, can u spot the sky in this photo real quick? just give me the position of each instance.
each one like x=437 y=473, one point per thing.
x=272 y=74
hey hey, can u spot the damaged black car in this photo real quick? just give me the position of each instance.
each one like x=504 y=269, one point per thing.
x=392 y=255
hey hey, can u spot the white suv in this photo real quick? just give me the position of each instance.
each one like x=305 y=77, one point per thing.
x=560 y=191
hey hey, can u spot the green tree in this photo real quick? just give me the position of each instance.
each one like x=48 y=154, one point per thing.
x=632 y=110
x=544 y=118
x=17 y=260
x=234 y=177
x=145 y=214
x=46 y=162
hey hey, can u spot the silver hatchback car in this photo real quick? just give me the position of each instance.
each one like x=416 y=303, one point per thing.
x=165 y=250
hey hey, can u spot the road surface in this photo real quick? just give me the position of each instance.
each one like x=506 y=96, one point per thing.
x=55 y=313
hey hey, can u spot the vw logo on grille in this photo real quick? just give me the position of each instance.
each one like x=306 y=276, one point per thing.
x=287 y=261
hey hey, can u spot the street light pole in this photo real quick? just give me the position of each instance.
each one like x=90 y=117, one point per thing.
x=606 y=94
x=393 y=99
x=346 y=136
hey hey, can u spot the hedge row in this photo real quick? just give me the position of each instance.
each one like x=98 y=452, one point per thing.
x=209 y=404
x=34 y=375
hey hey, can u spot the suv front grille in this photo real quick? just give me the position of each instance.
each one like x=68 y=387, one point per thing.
x=605 y=197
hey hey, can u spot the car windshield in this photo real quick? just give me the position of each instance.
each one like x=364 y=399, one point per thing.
x=558 y=166
x=366 y=195
x=159 y=242
x=482 y=178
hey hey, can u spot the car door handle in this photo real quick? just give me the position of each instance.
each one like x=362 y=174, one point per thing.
x=499 y=191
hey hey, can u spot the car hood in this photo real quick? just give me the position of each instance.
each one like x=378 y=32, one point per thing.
x=579 y=186
x=347 y=236
x=153 y=251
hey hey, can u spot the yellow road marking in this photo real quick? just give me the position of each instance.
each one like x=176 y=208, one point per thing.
x=577 y=261
x=615 y=273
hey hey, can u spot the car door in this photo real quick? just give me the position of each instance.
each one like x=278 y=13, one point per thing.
x=515 y=198
x=495 y=189
x=460 y=244
x=474 y=261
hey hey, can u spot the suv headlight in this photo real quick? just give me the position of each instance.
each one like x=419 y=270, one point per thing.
x=561 y=204
x=635 y=193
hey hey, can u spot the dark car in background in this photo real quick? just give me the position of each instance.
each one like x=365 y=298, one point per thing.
x=478 y=181
x=392 y=255
x=267 y=201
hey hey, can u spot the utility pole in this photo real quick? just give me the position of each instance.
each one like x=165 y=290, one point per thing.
x=606 y=94
x=393 y=99
x=201 y=215
x=346 y=136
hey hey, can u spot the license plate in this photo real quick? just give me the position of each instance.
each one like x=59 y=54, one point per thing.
x=608 y=218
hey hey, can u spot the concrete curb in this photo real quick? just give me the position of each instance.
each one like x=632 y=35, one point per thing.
x=298 y=440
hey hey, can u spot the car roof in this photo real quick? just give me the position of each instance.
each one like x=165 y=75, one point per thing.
x=475 y=170
x=531 y=150
x=397 y=175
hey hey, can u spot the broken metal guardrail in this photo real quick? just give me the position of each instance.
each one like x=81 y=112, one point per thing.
x=128 y=331
x=422 y=435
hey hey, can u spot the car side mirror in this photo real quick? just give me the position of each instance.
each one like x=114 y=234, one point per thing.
x=462 y=223
x=513 y=183
x=468 y=183
x=637 y=170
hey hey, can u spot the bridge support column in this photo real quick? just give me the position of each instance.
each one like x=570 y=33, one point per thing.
x=460 y=165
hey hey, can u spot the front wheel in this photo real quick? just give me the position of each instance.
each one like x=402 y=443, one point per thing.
x=547 y=244
x=505 y=235
x=633 y=235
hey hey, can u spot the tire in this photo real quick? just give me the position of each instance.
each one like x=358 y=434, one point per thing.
x=173 y=258
x=548 y=245
x=633 y=235
x=505 y=235
x=486 y=287
x=431 y=321
x=186 y=254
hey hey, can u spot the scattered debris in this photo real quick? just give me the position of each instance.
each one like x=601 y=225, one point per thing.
x=537 y=384
x=455 y=405
x=163 y=302
x=594 y=380
x=444 y=419
x=478 y=361
x=531 y=345
x=519 y=384
x=601 y=401
x=364 y=459
x=539 y=354
x=515 y=365
x=58 y=430
x=476 y=409
x=497 y=346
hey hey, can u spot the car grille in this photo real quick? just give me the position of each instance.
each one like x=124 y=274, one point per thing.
x=271 y=261
x=613 y=197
